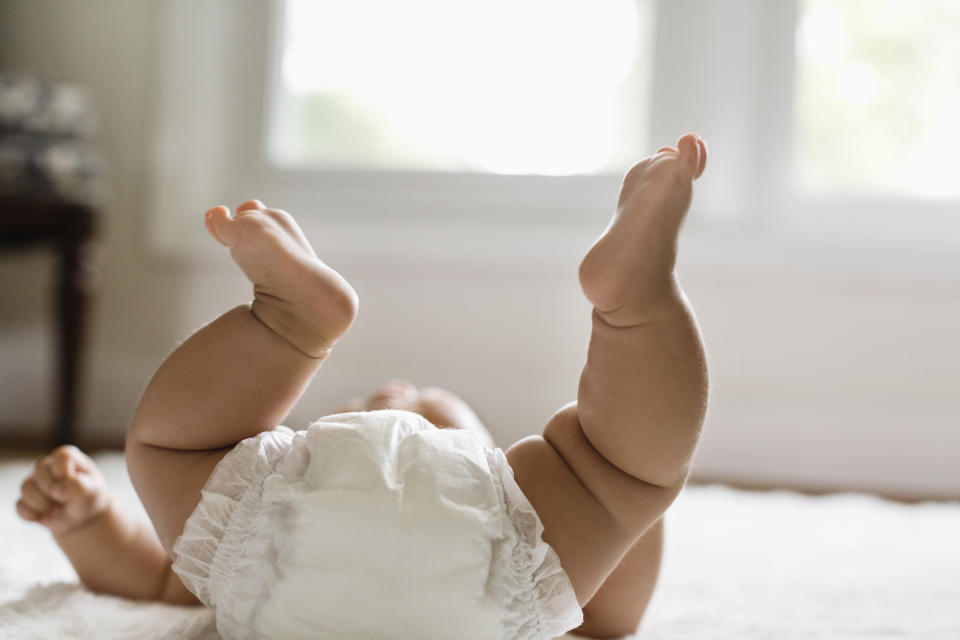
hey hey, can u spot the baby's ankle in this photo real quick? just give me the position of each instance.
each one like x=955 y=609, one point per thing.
x=304 y=331
x=656 y=302
x=296 y=295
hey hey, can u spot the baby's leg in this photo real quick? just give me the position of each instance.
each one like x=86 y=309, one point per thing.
x=619 y=604
x=608 y=466
x=240 y=374
x=643 y=390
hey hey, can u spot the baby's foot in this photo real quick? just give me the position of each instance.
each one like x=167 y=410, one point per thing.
x=295 y=294
x=628 y=274
x=64 y=491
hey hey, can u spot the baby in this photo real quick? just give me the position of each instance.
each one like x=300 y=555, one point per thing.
x=374 y=522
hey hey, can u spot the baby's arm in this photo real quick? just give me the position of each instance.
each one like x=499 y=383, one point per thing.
x=111 y=551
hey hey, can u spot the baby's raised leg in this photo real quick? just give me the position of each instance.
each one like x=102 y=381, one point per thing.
x=609 y=465
x=643 y=390
x=242 y=373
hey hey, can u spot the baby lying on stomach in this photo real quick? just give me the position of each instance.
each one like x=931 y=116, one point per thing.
x=398 y=517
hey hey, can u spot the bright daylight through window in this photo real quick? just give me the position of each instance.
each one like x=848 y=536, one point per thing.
x=878 y=97
x=552 y=87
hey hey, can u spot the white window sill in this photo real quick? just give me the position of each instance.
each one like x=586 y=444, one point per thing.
x=874 y=258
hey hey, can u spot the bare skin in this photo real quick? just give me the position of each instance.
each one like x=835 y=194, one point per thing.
x=111 y=551
x=66 y=493
x=600 y=477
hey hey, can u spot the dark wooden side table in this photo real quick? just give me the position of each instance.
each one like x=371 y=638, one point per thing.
x=68 y=228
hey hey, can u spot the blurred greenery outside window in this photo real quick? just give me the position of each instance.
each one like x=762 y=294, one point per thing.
x=560 y=88
x=535 y=87
x=877 y=100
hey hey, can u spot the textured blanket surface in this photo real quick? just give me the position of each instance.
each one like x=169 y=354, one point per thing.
x=738 y=565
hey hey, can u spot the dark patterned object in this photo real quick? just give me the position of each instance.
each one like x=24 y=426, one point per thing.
x=47 y=166
x=45 y=152
x=34 y=105
x=51 y=186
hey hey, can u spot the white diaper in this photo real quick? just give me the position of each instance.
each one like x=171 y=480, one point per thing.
x=372 y=525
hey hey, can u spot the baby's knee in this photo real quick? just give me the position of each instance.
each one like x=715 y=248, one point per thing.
x=634 y=503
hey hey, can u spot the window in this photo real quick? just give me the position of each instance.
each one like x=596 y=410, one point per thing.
x=878 y=97
x=535 y=87
x=829 y=120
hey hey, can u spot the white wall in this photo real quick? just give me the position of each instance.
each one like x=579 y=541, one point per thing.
x=830 y=367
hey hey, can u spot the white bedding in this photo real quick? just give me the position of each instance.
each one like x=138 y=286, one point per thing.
x=738 y=565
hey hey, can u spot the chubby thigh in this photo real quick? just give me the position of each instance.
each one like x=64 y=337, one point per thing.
x=168 y=482
x=592 y=512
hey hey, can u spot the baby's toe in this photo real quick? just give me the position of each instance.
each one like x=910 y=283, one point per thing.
x=231 y=230
x=703 y=157
x=692 y=150
x=689 y=150
x=217 y=221
x=251 y=205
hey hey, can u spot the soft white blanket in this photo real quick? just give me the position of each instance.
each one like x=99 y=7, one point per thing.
x=738 y=565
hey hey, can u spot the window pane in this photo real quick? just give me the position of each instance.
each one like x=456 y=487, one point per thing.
x=539 y=86
x=878 y=97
